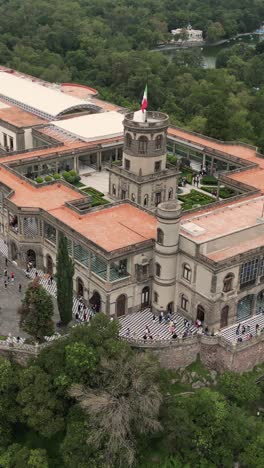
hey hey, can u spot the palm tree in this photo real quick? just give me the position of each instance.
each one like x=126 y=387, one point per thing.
x=126 y=403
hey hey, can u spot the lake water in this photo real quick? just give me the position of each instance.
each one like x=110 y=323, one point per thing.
x=210 y=52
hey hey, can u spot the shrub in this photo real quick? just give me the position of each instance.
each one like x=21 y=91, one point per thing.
x=77 y=179
x=72 y=173
x=209 y=180
x=39 y=180
x=66 y=175
x=70 y=179
x=56 y=176
x=48 y=178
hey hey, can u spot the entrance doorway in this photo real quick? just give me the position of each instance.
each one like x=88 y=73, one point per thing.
x=49 y=263
x=200 y=313
x=95 y=301
x=13 y=249
x=80 y=287
x=123 y=194
x=224 y=317
x=170 y=307
x=31 y=257
x=158 y=198
x=121 y=305
x=145 y=297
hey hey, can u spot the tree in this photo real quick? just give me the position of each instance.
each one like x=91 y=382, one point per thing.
x=40 y=408
x=9 y=411
x=127 y=394
x=17 y=456
x=37 y=311
x=253 y=455
x=65 y=272
x=239 y=388
x=215 y=31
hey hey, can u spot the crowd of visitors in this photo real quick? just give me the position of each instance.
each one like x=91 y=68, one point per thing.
x=246 y=333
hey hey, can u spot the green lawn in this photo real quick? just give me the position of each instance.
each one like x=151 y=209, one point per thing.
x=194 y=199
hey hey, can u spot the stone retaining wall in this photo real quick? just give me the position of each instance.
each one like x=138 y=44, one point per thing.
x=214 y=352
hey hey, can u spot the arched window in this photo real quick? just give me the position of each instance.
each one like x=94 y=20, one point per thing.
x=187 y=272
x=128 y=140
x=114 y=189
x=184 y=302
x=157 y=269
x=228 y=282
x=156 y=297
x=160 y=236
x=170 y=193
x=142 y=144
x=133 y=197
x=158 y=142
x=145 y=203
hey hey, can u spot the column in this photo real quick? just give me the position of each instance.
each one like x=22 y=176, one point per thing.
x=254 y=305
x=212 y=166
x=116 y=154
x=76 y=163
x=218 y=190
x=204 y=160
x=98 y=160
x=174 y=149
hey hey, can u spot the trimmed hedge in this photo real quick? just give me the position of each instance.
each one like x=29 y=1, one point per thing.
x=224 y=192
x=97 y=197
x=56 y=176
x=48 y=178
x=209 y=180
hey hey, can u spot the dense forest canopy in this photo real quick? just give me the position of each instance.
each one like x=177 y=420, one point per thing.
x=109 y=45
x=90 y=401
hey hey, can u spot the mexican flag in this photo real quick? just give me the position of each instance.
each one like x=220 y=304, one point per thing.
x=144 y=103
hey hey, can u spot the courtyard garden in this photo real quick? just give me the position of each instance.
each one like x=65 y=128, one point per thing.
x=97 y=197
x=194 y=199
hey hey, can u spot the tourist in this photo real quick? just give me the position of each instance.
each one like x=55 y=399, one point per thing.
x=147 y=330
x=12 y=277
x=5 y=272
x=174 y=336
x=128 y=332
x=77 y=317
x=18 y=339
x=6 y=262
x=79 y=307
x=5 y=283
x=154 y=318
x=243 y=330
x=239 y=340
x=257 y=327
x=161 y=317
x=84 y=317
x=19 y=287
x=248 y=328
x=36 y=274
x=238 y=329
x=206 y=331
x=185 y=321
x=144 y=337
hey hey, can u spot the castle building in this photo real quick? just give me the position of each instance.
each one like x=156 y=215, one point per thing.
x=145 y=176
x=141 y=251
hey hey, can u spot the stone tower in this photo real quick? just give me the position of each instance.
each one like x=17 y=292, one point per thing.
x=144 y=177
x=165 y=257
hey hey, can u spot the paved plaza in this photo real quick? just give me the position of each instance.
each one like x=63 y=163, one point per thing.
x=137 y=323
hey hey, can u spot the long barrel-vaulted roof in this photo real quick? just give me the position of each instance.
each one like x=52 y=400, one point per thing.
x=38 y=99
